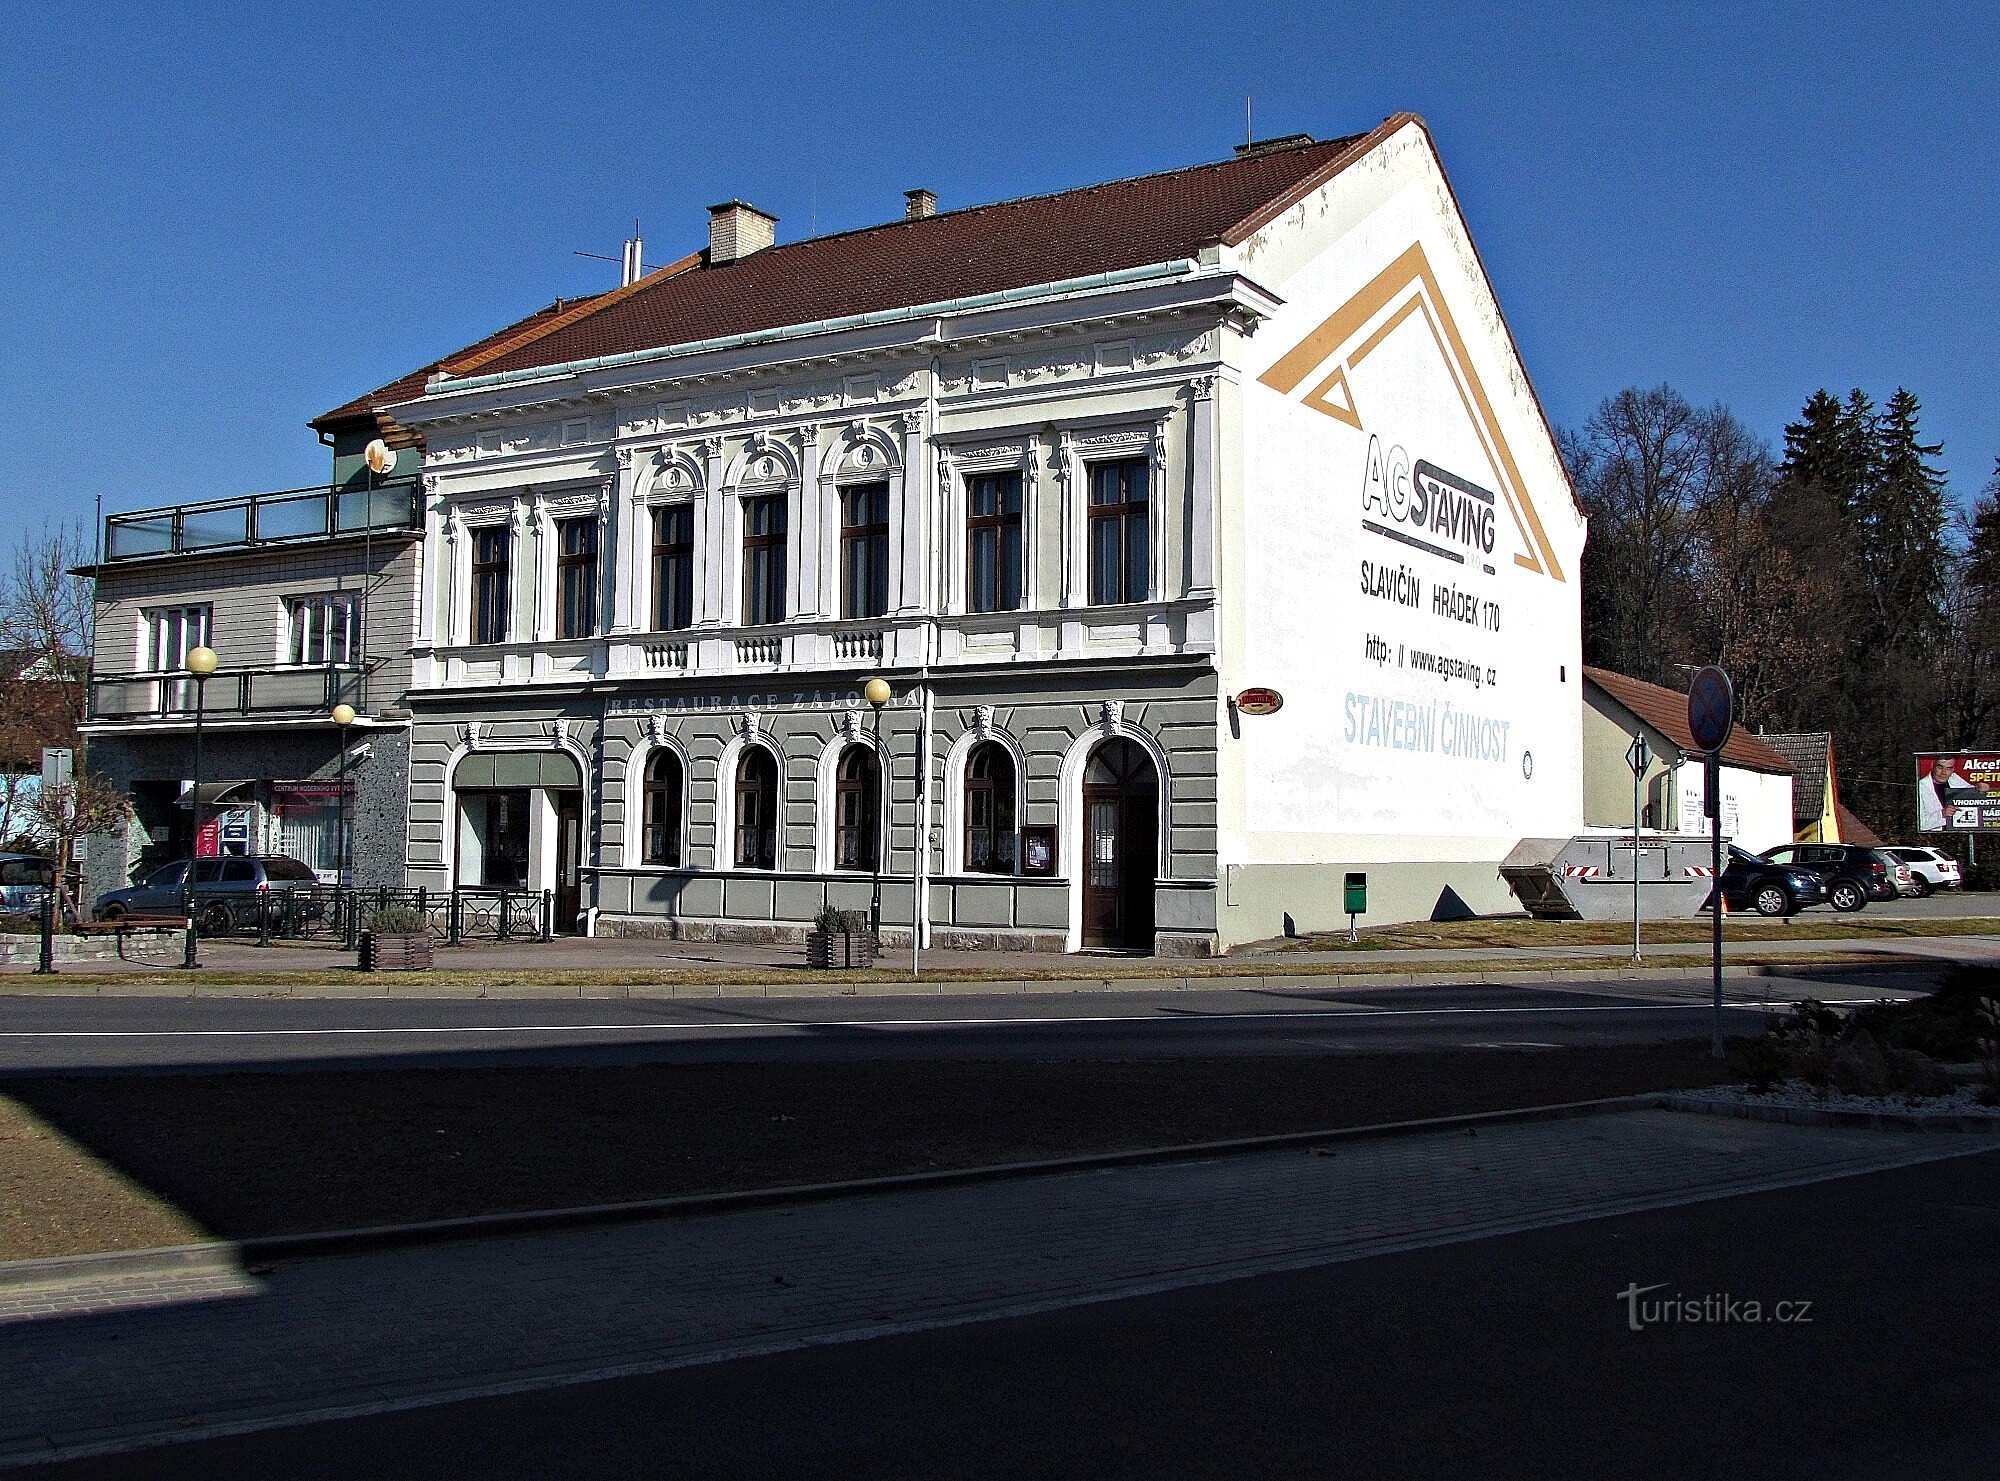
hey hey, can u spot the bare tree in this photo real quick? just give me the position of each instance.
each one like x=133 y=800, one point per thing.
x=44 y=609
x=83 y=806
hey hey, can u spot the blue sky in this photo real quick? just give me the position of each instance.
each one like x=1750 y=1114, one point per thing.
x=221 y=224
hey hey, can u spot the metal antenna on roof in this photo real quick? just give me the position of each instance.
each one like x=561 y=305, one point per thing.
x=1248 y=137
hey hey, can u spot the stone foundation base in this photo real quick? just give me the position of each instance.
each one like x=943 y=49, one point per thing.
x=894 y=938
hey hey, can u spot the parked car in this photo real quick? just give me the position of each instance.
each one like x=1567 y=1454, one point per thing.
x=1751 y=882
x=23 y=878
x=225 y=890
x=1853 y=875
x=1930 y=870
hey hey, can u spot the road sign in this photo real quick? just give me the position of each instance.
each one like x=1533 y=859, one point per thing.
x=1711 y=708
x=1638 y=755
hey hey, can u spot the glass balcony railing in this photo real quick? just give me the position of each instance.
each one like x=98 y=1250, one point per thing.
x=275 y=689
x=262 y=519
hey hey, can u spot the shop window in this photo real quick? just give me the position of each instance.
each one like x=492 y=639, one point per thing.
x=756 y=810
x=857 y=810
x=989 y=809
x=661 y=808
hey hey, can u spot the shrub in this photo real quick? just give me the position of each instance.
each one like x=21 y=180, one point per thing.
x=396 y=920
x=834 y=922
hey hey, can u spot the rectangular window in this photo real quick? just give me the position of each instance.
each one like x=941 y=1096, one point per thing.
x=673 y=567
x=171 y=634
x=322 y=629
x=1118 y=532
x=491 y=551
x=764 y=559
x=576 y=578
x=993 y=542
x=864 y=550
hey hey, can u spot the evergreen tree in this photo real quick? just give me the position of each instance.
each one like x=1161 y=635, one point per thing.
x=1903 y=517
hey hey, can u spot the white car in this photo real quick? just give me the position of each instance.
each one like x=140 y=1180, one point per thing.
x=1930 y=870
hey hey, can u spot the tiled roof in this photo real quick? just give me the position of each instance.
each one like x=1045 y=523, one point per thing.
x=1808 y=751
x=955 y=254
x=403 y=388
x=1666 y=710
x=1853 y=830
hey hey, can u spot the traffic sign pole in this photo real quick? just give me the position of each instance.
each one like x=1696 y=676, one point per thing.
x=1711 y=718
x=1638 y=756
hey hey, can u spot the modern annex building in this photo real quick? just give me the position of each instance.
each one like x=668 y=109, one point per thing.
x=1070 y=473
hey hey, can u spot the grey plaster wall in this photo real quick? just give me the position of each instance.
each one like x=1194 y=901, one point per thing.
x=1047 y=713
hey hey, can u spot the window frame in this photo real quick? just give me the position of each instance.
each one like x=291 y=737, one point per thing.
x=771 y=803
x=662 y=810
x=489 y=605
x=863 y=829
x=767 y=546
x=1118 y=519
x=1004 y=525
x=577 y=577
x=1003 y=852
x=864 y=549
x=680 y=554
x=191 y=634
x=310 y=617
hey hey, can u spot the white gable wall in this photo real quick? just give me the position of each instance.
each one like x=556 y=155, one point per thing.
x=1381 y=760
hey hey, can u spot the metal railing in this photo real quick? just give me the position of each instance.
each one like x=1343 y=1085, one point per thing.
x=262 y=519
x=270 y=689
x=340 y=913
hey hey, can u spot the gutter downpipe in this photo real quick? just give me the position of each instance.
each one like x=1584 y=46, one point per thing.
x=920 y=903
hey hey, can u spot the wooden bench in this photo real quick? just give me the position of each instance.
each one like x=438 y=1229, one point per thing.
x=130 y=923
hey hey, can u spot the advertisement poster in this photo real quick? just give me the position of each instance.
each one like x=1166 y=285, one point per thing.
x=1958 y=792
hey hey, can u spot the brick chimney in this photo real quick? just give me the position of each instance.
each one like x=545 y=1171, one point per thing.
x=918 y=203
x=736 y=229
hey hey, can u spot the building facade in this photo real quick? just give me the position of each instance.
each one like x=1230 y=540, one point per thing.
x=1070 y=474
x=305 y=597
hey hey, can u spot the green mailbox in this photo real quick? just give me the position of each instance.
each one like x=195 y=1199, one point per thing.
x=1357 y=894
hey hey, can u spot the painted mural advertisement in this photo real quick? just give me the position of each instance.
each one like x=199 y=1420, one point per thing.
x=1454 y=595
x=1958 y=792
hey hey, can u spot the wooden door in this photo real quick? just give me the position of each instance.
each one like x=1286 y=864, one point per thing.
x=1120 y=847
x=569 y=860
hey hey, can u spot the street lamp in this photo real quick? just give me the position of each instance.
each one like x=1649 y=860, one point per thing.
x=877 y=693
x=343 y=716
x=200 y=663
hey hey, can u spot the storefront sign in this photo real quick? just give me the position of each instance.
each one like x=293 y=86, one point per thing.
x=1260 y=702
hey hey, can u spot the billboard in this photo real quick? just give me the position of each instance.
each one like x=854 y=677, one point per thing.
x=1958 y=792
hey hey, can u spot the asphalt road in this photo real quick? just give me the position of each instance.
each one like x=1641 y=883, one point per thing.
x=1509 y=1357
x=39 y=1035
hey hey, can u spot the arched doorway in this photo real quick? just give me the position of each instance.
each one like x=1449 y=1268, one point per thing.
x=520 y=826
x=1121 y=846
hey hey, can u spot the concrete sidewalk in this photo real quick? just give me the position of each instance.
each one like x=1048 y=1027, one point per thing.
x=109 y=1365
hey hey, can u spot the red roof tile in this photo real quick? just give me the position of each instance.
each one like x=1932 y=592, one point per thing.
x=1666 y=710
x=982 y=249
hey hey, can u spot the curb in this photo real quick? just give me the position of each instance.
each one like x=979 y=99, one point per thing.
x=1828 y=1115
x=228 y=1256
x=1473 y=972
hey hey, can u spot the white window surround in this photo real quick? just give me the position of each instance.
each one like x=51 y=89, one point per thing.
x=1078 y=448
x=861 y=453
x=332 y=618
x=764 y=464
x=547 y=507
x=956 y=759
x=1069 y=828
x=958 y=462
x=857 y=733
x=632 y=851
x=168 y=634
x=673 y=475
x=724 y=852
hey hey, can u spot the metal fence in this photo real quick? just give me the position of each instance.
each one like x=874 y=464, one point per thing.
x=340 y=914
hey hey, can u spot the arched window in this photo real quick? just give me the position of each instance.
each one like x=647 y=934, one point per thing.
x=662 y=808
x=989 y=809
x=857 y=809
x=757 y=809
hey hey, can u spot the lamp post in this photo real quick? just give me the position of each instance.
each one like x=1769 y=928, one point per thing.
x=343 y=716
x=877 y=692
x=200 y=664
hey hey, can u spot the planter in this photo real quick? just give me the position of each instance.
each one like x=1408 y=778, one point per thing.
x=403 y=952
x=833 y=950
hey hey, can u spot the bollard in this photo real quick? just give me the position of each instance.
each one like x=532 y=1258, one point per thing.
x=46 y=967
x=451 y=937
x=263 y=917
x=548 y=915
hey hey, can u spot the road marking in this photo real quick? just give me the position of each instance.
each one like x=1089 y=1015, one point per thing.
x=874 y=1023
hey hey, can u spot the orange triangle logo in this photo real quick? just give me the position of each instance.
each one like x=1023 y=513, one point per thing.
x=1406 y=292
